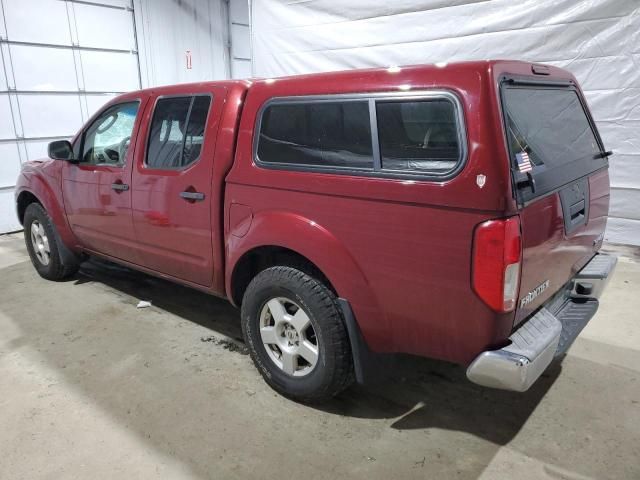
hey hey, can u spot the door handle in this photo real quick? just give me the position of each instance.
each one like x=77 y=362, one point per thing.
x=119 y=187
x=577 y=211
x=192 y=196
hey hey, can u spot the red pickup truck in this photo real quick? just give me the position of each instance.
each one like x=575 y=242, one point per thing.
x=449 y=211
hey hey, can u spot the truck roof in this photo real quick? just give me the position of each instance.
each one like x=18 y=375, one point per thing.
x=345 y=75
x=181 y=87
x=348 y=79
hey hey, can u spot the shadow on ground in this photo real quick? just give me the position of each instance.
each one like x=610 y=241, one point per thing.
x=208 y=408
x=206 y=310
x=423 y=393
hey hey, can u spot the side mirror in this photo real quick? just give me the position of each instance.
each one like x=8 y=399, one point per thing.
x=61 y=150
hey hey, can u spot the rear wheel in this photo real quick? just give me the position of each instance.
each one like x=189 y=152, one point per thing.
x=296 y=334
x=51 y=259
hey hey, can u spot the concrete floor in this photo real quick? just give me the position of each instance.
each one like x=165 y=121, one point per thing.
x=91 y=387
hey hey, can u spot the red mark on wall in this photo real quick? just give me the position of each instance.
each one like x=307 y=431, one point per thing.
x=187 y=55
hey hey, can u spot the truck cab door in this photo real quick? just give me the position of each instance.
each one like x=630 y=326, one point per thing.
x=172 y=184
x=96 y=188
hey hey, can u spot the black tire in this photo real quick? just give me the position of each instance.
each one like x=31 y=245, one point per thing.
x=62 y=263
x=333 y=371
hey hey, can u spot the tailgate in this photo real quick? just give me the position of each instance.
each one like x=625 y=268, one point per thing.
x=559 y=170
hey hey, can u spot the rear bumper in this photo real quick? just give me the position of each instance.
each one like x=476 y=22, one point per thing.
x=547 y=334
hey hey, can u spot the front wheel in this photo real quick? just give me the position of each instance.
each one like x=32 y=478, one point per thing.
x=296 y=335
x=51 y=259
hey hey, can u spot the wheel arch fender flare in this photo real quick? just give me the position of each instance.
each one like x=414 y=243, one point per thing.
x=51 y=200
x=321 y=247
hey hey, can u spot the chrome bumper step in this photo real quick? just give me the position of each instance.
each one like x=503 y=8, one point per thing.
x=574 y=316
x=518 y=365
x=547 y=334
x=589 y=283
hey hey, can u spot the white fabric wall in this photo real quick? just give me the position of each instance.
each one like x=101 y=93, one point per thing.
x=597 y=40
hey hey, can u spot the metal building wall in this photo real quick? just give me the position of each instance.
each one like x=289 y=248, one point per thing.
x=598 y=40
x=240 y=38
x=192 y=40
x=184 y=41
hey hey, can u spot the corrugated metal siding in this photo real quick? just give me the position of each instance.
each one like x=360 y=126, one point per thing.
x=192 y=40
x=171 y=31
x=239 y=26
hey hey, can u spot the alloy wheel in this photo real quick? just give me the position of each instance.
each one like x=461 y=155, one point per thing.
x=40 y=242
x=288 y=336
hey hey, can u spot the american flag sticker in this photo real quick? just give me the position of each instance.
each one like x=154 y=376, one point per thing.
x=524 y=163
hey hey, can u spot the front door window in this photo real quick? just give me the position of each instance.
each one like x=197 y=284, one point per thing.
x=107 y=140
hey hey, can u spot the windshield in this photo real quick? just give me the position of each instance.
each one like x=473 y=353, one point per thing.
x=549 y=136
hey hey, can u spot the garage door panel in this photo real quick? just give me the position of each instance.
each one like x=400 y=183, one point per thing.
x=240 y=41
x=3 y=28
x=113 y=29
x=109 y=72
x=8 y=217
x=9 y=164
x=239 y=11
x=50 y=115
x=51 y=79
x=3 y=80
x=42 y=68
x=37 y=148
x=116 y=3
x=37 y=21
x=241 y=69
x=6 y=77
x=6 y=122
x=96 y=102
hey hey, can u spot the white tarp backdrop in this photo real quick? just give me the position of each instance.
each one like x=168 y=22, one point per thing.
x=597 y=40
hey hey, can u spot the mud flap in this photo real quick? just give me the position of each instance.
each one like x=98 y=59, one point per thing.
x=67 y=256
x=369 y=367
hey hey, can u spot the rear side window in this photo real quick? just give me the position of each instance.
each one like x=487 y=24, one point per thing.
x=177 y=131
x=324 y=134
x=395 y=135
x=551 y=128
x=419 y=136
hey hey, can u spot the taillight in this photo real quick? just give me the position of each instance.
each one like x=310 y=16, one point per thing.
x=497 y=254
